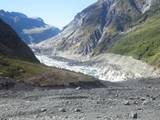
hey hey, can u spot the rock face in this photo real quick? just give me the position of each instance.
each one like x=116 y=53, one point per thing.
x=31 y=30
x=11 y=44
x=97 y=27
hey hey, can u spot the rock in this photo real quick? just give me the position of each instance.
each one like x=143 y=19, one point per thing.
x=43 y=110
x=139 y=109
x=77 y=110
x=67 y=102
x=135 y=102
x=147 y=95
x=116 y=95
x=145 y=102
x=98 y=102
x=37 y=116
x=98 y=117
x=78 y=88
x=142 y=99
x=66 y=117
x=126 y=103
x=62 y=110
x=134 y=115
x=153 y=98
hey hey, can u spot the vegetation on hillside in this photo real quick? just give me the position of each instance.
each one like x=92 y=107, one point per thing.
x=38 y=74
x=18 y=69
x=143 y=42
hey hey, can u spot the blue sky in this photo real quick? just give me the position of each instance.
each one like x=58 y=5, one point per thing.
x=55 y=12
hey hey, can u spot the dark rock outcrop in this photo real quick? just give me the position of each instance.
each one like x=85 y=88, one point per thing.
x=12 y=46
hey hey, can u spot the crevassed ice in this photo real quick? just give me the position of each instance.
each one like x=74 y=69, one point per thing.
x=108 y=73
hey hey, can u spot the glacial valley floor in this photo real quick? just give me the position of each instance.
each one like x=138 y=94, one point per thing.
x=117 y=101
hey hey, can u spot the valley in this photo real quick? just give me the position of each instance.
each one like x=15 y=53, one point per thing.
x=110 y=40
x=103 y=65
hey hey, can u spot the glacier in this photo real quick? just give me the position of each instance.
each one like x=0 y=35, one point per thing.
x=102 y=69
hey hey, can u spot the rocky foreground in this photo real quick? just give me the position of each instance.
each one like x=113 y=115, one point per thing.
x=136 y=99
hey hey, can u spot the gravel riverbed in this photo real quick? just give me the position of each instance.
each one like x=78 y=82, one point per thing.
x=136 y=99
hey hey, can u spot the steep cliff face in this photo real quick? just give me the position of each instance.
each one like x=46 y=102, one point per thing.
x=99 y=26
x=12 y=46
x=31 y=30
x=83 y=33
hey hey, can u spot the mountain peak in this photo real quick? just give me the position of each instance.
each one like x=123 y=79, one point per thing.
x=95 y=28
x=40 y=31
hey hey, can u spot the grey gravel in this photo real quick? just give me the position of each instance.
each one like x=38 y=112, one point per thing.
x=134 y=115
x=84 y=104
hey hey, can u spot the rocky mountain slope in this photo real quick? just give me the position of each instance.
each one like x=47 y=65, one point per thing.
x=97 y=28
x=31 y=30
x=12 y=46
x=129 y=28
x=16 y=58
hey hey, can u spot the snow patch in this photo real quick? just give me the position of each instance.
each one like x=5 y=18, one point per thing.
x=36 y=30
x=143 y=5
x=147 y=6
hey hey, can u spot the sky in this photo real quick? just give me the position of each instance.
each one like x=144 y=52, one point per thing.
x=54 y=12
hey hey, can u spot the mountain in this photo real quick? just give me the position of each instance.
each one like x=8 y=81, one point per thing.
x=16 y=58
x=18 y=62
x=12 y=46
x=31 y=30
x=99 y=27
x=143 y=42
